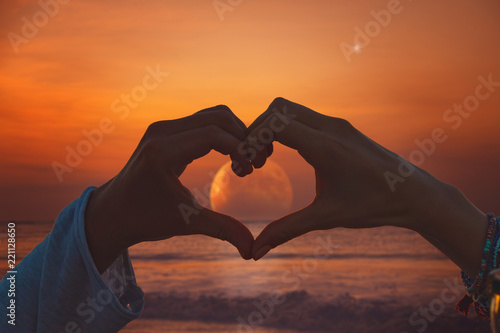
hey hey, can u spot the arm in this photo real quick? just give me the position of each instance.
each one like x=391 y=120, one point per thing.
x=147 y=202
x=80 y=276
x=58 y=288
x=353 y=189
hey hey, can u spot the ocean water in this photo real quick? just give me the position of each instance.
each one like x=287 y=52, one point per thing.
x=375 y=280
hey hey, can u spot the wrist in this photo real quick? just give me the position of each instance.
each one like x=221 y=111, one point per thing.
x=444 y=209
x=437 y=202
x=104 y=241
x=454 y=225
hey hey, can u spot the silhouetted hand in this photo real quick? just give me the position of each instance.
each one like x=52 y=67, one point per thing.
x=352 y=188
x=147 y=202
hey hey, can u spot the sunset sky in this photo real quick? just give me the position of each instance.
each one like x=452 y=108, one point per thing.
x=66 y=76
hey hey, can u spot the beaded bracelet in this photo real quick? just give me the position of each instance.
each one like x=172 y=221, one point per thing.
x=476 y=288
x=496 y=247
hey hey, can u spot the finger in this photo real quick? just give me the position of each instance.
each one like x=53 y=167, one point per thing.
x=223 y=227
x=260 y=159
x=292 y=110
x=278 y=110
x=183 y=148
x=270 y=149
x=220 y=115
x=283 y=230
x=228 y=110
x=278 y=114
x=238 y=168
x=260 y=153
x=307 y=141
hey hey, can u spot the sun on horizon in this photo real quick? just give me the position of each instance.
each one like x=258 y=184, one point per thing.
x=265 y=194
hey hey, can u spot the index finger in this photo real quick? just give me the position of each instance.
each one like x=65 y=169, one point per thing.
x=289 y=132
x=284 y=107
x=219 y=115
x=182 y=148
x=228 y=110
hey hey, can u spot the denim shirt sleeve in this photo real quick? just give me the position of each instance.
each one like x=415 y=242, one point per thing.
x=58 y=288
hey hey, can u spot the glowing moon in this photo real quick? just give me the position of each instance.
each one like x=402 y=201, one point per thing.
x=266 y=194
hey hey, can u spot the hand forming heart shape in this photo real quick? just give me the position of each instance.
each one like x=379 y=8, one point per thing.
x=146 y=201
x=352 y=188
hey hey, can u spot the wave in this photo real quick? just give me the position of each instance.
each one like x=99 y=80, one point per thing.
x=303 y=312
x=340 y=256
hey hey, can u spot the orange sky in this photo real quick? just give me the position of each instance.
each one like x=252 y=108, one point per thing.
x=65 y=79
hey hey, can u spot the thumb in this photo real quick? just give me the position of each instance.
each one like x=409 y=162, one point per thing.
x=225 y=228
x=284 y=229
